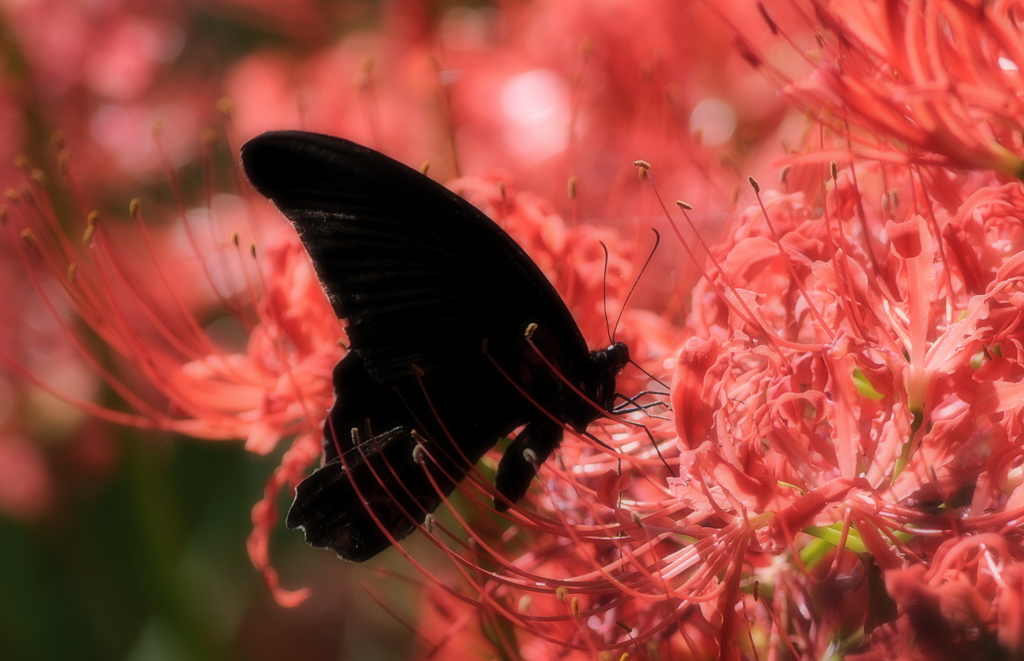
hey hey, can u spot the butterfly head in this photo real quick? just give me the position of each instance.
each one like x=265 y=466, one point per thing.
x=607 y=363
x=614 y=357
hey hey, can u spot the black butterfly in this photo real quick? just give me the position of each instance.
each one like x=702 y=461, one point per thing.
x=438 y=300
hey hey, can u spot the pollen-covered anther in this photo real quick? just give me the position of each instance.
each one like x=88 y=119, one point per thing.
x=531 y=458
x=753 y=184
x=40 y=177
x=133 y=208
x=73 y=272
x=13 y=195
x=225 y=106
x=429 y=522
x=586 y=46
x=424 y=167
x=28 y=237
x=363 y=78
x=683 y=205
x=90 y=227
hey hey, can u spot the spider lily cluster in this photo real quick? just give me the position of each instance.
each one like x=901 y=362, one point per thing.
x=836 y=470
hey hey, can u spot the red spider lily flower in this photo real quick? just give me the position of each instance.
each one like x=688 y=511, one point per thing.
x=838 y=403
x=936 y=82
x=278 y=387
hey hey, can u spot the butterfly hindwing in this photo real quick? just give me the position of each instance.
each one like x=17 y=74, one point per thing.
x=371 y=427
x=346 y=505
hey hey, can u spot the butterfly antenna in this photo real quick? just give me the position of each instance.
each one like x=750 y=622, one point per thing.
x=622 y=310
x=651 y=376
x=604 y=293
x=650 y=436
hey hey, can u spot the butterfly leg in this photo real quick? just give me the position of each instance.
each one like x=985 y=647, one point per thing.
x=521 y=460
x=632 y=405
x=364 y=404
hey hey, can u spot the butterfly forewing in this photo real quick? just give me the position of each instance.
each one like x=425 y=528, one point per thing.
x=415 y=270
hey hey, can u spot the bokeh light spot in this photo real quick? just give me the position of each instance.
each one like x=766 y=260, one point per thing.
x=536 y=107
x=715 y=119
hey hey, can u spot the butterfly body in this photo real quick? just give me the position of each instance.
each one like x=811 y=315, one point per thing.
x=438 y=300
